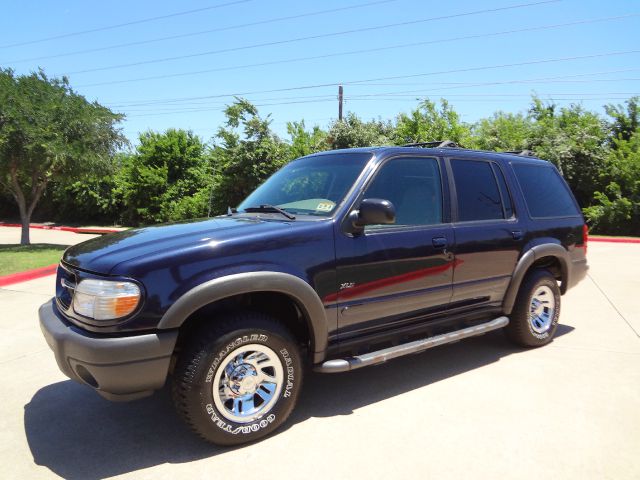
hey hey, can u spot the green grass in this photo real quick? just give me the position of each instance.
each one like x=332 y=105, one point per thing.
x=18 y=258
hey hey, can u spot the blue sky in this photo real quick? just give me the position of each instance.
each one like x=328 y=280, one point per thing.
x=461 y=56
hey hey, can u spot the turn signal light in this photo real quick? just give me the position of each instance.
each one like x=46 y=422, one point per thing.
x=105 y=299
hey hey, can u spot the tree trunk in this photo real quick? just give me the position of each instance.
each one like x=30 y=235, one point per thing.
x=25 y=219
x=25 y=212
x=24 y=237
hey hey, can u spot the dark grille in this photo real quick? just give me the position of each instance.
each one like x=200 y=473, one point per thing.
x=65 y=279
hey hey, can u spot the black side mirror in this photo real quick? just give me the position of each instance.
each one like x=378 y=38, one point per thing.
x=373 y=211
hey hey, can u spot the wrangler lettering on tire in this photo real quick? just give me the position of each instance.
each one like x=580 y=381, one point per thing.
x=238 y=379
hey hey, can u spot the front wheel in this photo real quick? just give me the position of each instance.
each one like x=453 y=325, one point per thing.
x=535 y=315
x=238 y=380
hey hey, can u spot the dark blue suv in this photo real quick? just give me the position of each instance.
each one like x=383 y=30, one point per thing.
x=340 y=260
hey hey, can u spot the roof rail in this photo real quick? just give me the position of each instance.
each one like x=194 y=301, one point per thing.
x=522 y=153
x=434 y=144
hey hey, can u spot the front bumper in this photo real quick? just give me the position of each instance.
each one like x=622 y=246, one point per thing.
x=118 y=368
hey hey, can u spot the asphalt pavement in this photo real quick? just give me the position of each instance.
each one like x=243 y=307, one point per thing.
x=477 y=409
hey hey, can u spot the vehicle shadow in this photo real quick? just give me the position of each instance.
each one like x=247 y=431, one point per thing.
x=78 y=435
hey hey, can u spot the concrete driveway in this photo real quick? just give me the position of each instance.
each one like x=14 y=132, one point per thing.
x=478 y=409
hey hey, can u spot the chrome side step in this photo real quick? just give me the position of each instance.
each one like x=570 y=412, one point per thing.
x=380 y=356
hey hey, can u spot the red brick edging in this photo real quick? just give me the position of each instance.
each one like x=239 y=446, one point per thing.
x=614 y=240
x=28 y=275
x=98 y=231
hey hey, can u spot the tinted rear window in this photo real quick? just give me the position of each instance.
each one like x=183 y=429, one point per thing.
x=545 y=192
x=477 y=191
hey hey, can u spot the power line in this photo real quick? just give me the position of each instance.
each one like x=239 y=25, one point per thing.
x=527 y=81
x=402 y=93
x=440 y=86
x=126 y=24
x=392 y=95
x=493 y=100
x=202 y=32
x=196 y=110
x=394 y=77
x=310 y=37
x=360 y=51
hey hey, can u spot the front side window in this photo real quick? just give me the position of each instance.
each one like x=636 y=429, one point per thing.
x=477 y=191
x=313 y=185
x=413 y=186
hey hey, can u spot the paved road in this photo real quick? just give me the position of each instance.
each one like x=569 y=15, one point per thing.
x=56 y=237
x=478 y=409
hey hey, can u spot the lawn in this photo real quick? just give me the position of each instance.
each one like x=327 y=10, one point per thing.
x=18 y=258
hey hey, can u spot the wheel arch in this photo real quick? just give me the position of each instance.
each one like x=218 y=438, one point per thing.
x=552 y=256
x=222 y=288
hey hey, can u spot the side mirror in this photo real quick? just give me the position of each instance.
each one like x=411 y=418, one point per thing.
x=372 y=211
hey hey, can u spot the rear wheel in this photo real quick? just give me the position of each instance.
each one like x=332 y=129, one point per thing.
x=238 y=380
x=535 y=315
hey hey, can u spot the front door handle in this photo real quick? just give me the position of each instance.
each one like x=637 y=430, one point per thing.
x=439 y=242
x=517 y=234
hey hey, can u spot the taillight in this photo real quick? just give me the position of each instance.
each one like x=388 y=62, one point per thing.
x=585 y=237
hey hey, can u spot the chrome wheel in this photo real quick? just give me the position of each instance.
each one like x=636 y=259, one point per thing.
x=247 y=383
x=542 y=309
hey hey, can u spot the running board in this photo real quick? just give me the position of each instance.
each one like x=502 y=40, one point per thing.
x=345 y=364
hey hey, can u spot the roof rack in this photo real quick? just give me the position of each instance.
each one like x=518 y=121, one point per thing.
x=522 y=153
x=434 y=144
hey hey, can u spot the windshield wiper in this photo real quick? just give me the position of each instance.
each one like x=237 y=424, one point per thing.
x=270 y=209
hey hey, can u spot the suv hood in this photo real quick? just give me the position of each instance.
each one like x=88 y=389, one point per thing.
x=102 y=255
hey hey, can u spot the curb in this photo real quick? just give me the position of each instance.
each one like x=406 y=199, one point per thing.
x=614 y=240
x=28 y=275
x=98 y=231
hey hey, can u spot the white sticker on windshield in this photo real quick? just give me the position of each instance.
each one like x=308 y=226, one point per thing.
x=325 y=206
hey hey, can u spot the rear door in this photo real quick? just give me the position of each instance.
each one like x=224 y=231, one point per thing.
x=392 y=273
x=489 y=234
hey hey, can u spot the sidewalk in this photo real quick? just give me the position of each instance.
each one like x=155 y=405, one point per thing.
x=11 y=235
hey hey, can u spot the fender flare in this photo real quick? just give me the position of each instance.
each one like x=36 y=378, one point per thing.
x=525 y=262
x=228 y=286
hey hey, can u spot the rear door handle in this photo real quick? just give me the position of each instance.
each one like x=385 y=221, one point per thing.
x=439 y=242
x=517 y=234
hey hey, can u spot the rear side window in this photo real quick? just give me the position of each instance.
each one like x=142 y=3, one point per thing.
x=504 y=192
x=476 y=190
x=545 y=192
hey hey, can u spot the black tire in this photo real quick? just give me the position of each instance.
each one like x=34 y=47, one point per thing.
x=201 y=365
x=524 y=329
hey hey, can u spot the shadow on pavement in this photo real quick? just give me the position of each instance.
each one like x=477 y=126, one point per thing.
x=79 y=435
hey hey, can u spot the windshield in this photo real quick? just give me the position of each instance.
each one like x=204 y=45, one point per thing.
x=310 y=186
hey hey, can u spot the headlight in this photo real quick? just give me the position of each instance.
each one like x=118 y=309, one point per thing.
x=105 y=299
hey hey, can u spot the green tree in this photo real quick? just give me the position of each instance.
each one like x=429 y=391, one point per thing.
x=575 y=140
x=98 y=197
x=168 y=179
x=503 y=132
x=305 y=142
x=49 y=132
x=625 y=121
x=353 y=132
x=617 y=208
x=245 y=153
x=428 y=122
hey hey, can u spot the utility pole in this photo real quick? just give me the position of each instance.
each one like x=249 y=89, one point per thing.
x=340 y=102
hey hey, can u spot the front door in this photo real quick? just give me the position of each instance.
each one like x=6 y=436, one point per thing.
x=390 y=274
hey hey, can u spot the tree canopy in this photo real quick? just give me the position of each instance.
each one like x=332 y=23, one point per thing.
x=55 y=143
x=47 y=131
